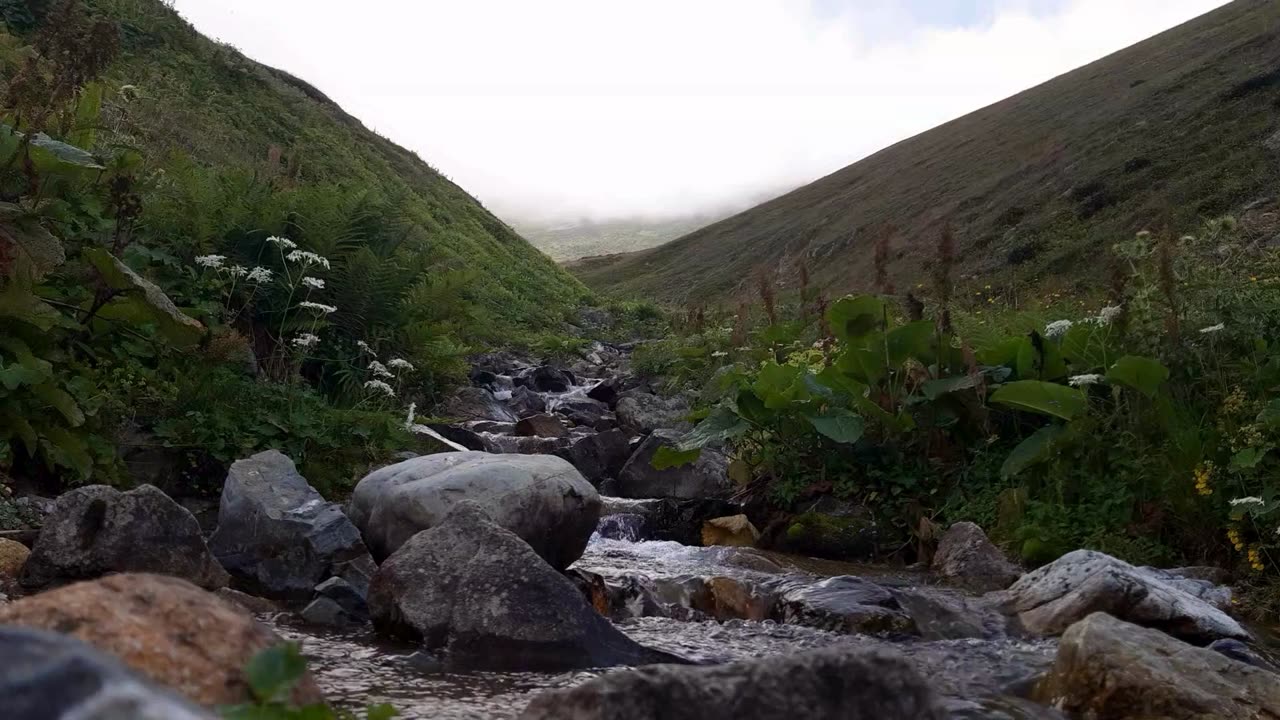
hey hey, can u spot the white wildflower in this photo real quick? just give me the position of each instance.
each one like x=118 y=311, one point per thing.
x=213 y=262
x=364 y=346
x=282 y=243
x=313 y=283
x=306 y=340
x=1247 y=501
x=307 y=258
x=237 y=271
x=719 y=354
x=379 y=370
x=318 y=307
x=1082 y=380
x=1108 y=315
x=1213 y=329
x=381 y=387
x=259 y=275
x=413 y=414
x=1057 y=328
x=400 y=364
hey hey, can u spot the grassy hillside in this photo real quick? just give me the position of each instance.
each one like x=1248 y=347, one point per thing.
x=570 y=240
x=1168 y=131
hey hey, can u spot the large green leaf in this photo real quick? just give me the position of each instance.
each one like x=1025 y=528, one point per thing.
x=66 y=449
x=1139 y=373
x=1040 y=361
x=60 y=400
x=143 y=301
x=1270 y=415
x=17 y=303
x=1249 y=458
x=88 y=110
x=665 y=458
x=864 y=363
x=1039 y=447
x=49 y=154
x=1042 y=397
x=35 y=249
x=910 y=341
x=841 y=425
x=780 y=385
x=273 y=672
x=852 y=317
x=14 y=424
x=832 y=378
x=1084 y=347
x=722 y=424
x=935 y=389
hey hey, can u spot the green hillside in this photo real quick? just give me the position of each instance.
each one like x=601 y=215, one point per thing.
x=1163 y=133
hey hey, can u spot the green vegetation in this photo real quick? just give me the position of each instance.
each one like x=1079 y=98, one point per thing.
x=273 y=674
x=1143 y=422
x=203 y=254
x=1176 y=129
x=567 y=241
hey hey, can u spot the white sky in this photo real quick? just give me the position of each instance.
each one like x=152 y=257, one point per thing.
x=554 y=109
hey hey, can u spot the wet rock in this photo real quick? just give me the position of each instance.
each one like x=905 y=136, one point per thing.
x=628 y=527
x=479 y=593
x=33 y=509
x=337 y=604
x=1112 y=670
x=826 y=536
x=732 y=531
x=279 y=537
x=546 y=378
x=49 y=676
x=464 y=434
x=940 y=614
x=842 y=604
x=600 y=455
x=583 y=411
x=708 y=476
x=967 y=558
x=674 y=520
x=164 y=628
x=526 y=402
x=96 y=530
x=13 y=555
x=1240 y=652
x=546 y=426
x=731 y=598
x=1196 y=582
x=473 y=403
x=642 y=413
x=540 y=498
x=606 y=391
x=838 y=683
x=251 y=603
x=1052 y=598
x=513 y=445
x=499 y=363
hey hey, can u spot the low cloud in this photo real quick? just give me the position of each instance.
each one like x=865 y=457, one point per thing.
x=582 y=108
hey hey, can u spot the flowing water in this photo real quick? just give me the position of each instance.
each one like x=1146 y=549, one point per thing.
x=978 y=678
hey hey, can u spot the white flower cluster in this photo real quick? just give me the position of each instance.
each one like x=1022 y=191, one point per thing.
x=1213 y=329
x=1107 y=315
x=260 y=275
x=400 y=364
x=307 y=258
x=313 y=283
x=318 y=307
x=237 y=271
x=379 y=386
x=1083 y=380
x=364 y=346
x=719 y=354
x=306 y=340
x=213 y=262
x=379 y=370
x=1057 y=328
x=282 y=243
x=1247 y=501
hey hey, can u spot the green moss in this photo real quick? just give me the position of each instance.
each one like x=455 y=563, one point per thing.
x=832 y=537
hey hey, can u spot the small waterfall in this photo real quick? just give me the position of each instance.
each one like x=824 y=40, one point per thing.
x=627 y=527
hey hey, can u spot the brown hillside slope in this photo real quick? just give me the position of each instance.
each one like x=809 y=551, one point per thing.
x=1168 y=130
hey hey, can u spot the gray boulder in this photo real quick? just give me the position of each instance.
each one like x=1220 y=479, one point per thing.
x=96 y=530
x=543 y=426
x=708 y=476
x=967 y=558
x=601 y=455
x=1049 y=600
x=541 y=498
x=337 y=603
x=583 y=411
x=279 y=537
x=473 y=403
x=483 y=597
x=843 y=604
x=837 y=683
x=642 y=413
x=1107 y=669
x=526 y=402
x=48 y=676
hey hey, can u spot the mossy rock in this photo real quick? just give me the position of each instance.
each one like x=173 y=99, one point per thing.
x=829 y=536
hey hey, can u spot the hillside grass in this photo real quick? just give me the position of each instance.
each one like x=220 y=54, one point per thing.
x=1163 y=134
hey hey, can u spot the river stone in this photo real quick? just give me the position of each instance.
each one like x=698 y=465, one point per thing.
x=583 y=411
x=706 y=477
x=601 y=455
x=842 y=604
x=545 y=426
x=540 y=498
x=479 y=593
x=837 y=683
x=95 y=530
x=967 y=558
x=547 y=379
x=672 y=520
x=13 y=555
x=1107 y=669
x=642 y=413
x=948 y=614
x=166 y=629
x=606 y=391
x=473 y=403
x=48 y=676
x=526 y=402
x=338 y=603
x=279 y=537
x=1056 y=596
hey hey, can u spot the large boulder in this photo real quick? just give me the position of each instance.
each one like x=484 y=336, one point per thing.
x=642 y=413
x=525 y=402
x=547 y=379
x=279 y=537
x=543 y=426
x=13 y=555
x=1053 y=598
x=49 y=676
x=473 y=403
x=600 y=455
x=837 y=683
x=967 y=558
x=708 y=476
x=481 y=595
x=584 y=412
x=166 y=629
x=1107 y=669
x=540 y=498
x=96 y=530
x=843 y=604
x=671 y=519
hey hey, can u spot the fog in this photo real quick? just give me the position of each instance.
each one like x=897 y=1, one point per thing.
x=559 y=109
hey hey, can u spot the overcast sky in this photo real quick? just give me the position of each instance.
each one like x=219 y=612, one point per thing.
x=608 y=108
